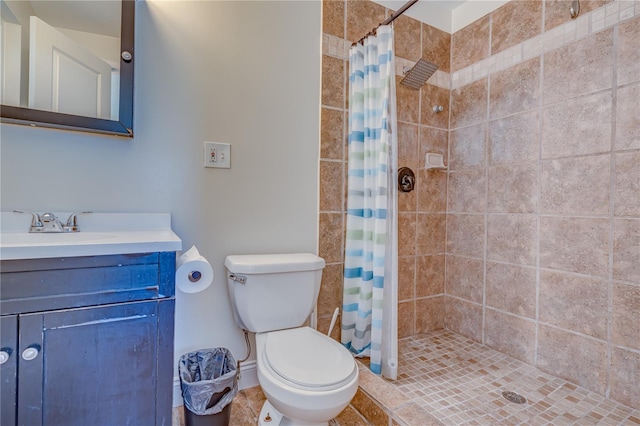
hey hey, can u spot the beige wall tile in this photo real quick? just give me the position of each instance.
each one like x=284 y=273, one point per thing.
x=511 y=335
x=330 y=296
x=430 y=233
x=465 y=235
x=627 y=184
x=463 y=317
x=513 y=188
x=628 y=118
x=467 y=191
x=511 y=288
x=625 y=376
x=469 y=104
x=470 y=44
x=465 y=278
x=362 y=17
x=580 y=360
x=628 y=52
x=626 y=250
x=577 y=126
x=514 y=23
x=431 y=191
x=467 y=147
x=406 y=278
x=332 y=134
x=407 y=201
x=575 y=70
x=406 y=319
x=333 y=17
x=333 y=82
x=432 y=140
x=406 y=234
x=429 y=314
x=431 y=96
x=515 y=89
x=514 y=138
x=407 y=142
x=575 y=302
x=575 y=244
x=331 y=238
x=576 y=186
x=408 y=103
x=323 y=326
x=625 y=321
x=436 y=47
x=430 y=275
x=407 y=157
x=331 y=185
x=512 y=238
x=557 y=12
x=406 y=38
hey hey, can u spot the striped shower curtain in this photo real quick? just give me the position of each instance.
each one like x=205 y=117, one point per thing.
x=369 y=311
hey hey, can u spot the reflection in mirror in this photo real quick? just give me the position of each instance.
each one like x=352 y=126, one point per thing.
x=61 y=66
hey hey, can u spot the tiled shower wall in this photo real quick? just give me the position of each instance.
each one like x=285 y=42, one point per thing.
x=543 y=217
x=422 y=212
x=538 y=226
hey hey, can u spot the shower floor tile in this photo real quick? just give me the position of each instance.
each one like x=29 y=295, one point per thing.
x=459 y=381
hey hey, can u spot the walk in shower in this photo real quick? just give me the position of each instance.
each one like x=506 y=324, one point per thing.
x=526 y=244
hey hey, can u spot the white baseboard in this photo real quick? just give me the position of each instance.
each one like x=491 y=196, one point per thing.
x=248 y=379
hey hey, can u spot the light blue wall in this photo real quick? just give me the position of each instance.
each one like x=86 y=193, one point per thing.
x=244 y=73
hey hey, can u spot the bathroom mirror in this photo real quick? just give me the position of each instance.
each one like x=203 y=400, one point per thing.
x=68 y=64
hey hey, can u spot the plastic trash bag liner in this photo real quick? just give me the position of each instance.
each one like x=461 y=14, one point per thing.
x=208 y=379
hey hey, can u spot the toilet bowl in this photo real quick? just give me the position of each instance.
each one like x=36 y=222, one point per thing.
x=307 y=377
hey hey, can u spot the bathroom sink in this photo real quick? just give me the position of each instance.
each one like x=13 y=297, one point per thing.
x=15 y=239
x=100 y=234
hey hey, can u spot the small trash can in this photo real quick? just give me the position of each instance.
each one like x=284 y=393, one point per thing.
x=209 y=381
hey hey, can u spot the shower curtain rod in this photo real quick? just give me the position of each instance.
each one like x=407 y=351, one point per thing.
x=389 y=20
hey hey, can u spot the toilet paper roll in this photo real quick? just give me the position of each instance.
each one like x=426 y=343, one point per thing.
x=193 y=272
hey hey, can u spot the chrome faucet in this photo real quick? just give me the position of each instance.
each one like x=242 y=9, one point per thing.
x=72 y=222
x=49 y=222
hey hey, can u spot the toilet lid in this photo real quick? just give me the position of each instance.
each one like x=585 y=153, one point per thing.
x=308 y=358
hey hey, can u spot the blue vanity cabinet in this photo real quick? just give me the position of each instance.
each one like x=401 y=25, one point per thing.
x=8 y=368
x=91 y=339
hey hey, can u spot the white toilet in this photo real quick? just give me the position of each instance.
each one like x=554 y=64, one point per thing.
x=307 y=377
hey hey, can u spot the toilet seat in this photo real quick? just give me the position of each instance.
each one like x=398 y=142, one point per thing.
x=308 y=360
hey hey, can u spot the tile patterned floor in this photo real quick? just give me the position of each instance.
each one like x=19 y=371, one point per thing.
x=460 y=382
x=245 y=408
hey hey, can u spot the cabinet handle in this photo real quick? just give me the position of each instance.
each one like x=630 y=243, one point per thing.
x=30 y=353
x=4 y=357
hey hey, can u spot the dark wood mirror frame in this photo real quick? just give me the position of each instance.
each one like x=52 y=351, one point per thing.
x=122 y=127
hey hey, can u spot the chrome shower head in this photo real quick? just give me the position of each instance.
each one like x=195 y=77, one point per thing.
x=419 y=74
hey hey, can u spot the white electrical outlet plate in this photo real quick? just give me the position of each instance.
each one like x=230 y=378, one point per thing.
x=217 y=155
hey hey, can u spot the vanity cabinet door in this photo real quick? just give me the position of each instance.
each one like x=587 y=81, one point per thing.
x=94 y=366
x=8 y=368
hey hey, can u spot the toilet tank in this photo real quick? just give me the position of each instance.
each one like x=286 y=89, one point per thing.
x=273 y=291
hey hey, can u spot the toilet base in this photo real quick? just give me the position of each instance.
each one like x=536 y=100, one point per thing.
x=270 y=416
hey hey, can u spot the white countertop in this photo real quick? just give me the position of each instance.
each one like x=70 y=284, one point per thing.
x=100 y=234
